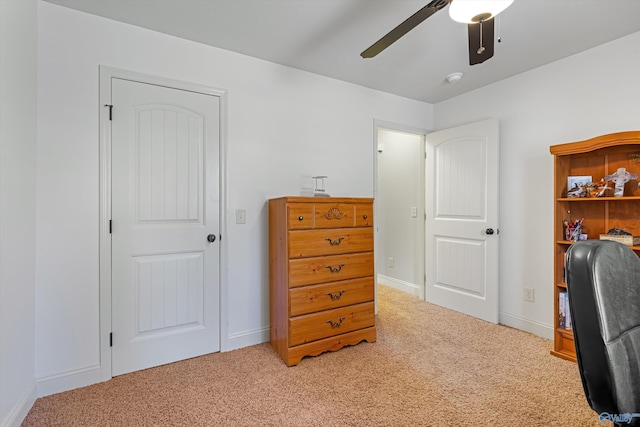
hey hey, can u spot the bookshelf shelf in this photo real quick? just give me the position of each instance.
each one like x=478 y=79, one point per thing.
x=597 y=199
x=570 y=242
x=596 y=157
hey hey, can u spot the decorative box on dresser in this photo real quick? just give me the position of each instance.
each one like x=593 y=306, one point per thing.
x=595 y=158
x=321 y=274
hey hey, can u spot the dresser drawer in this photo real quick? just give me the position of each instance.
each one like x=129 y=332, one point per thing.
x=300 y=216
x=333 y=215
x=311 y=327
x=309 y=271
x=310 y=299
x=364 y=215
x=329 y=241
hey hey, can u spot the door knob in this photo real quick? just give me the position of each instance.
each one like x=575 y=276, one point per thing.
x=211 y=238
x=489 y=231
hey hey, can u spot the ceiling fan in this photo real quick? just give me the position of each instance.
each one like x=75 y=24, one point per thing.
x=478 y=14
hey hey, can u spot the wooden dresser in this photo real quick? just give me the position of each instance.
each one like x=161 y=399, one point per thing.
x=321 y=274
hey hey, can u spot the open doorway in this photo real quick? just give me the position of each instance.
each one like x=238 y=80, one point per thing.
x=400 y=207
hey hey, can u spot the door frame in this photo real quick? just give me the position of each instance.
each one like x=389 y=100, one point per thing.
x=397 y=127
x=105 y=262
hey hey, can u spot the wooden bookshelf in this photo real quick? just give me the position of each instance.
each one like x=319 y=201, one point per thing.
x=596 y=157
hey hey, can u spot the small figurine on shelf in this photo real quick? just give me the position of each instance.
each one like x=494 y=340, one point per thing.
x=618 y=232
x=578 y=190
x=620 y=178
x=597 y=189
x=589 y=189
x=577 y=185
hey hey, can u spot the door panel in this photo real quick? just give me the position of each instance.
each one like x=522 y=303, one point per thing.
x=165 y=274
x=461 y=266
x=462 y=204
x=460 y=186
x=168 y=290
x=169 y=148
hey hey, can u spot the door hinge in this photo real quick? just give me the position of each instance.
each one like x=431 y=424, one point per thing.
x=110 y=226
x=425 y=154
x=110 y=111
x=110 y=339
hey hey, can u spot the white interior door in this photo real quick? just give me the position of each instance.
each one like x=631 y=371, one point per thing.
x=462 y=219
x=165 y=204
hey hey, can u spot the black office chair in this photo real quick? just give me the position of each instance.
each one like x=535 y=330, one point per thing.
x=603 y=281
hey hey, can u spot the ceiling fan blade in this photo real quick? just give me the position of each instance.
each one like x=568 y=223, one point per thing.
x=480 y=49
x=402 y=29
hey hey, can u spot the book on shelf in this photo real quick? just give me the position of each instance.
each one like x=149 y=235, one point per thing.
x=564 y=313
x=624 y=239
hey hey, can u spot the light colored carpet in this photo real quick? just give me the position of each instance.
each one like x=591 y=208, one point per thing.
x=430 y=367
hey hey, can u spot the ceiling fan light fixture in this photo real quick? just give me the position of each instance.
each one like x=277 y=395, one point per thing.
x=474 y=11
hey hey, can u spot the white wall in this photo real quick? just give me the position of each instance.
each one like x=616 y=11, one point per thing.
x=18 y=98
x=284 y=126
x=589 y=94
x=400 y=188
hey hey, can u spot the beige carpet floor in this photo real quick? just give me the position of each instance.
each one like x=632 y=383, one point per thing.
x=429 y=367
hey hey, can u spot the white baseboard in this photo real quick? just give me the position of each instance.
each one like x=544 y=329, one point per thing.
x=537 y=328
x=400 y=285
x=542 y=330
x=18 y=413
x=70 y=380
x=246 y=339
x=65 y=381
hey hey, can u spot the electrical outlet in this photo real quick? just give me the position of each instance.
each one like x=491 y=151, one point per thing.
x=414 y=212
x=529 y=294
x=390 y=262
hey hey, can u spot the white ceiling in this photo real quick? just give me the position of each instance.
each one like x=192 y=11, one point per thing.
x=327 y=36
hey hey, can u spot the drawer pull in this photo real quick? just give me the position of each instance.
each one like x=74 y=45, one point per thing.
x=334 y=269
x=300 y=218
x=334 y=242
x=364 y=217
x=336 y=296
x=335 y=324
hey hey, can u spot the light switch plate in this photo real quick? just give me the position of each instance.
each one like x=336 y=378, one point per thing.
x=241 y=216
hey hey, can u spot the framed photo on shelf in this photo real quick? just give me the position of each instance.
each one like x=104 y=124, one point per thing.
x=578 y=181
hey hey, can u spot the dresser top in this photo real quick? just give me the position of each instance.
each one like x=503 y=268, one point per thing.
x=310 y=199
